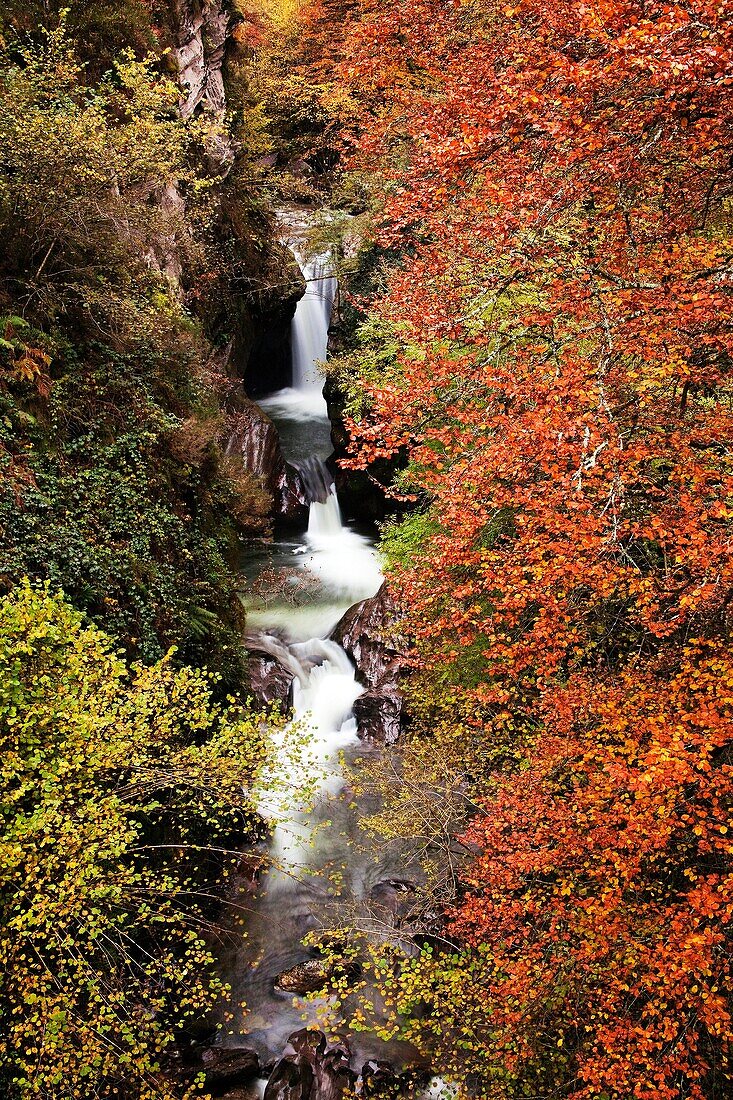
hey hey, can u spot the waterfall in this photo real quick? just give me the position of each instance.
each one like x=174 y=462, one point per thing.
x=325 y=686
x=307 y=764
x=325 y=518
x=311 y=323
x=308 y=845
x=303 y=401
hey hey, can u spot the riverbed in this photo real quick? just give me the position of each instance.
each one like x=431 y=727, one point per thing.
x=321 y=868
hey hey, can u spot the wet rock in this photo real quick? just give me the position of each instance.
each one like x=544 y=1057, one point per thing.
x=310 y=1069
x=227 y=1068
x=269 y=682
x=256 y=439
x=305 y=977
x=378 y=1079
x=312 y=975
x=362 y=493
x=290 y=1080
x=291 y=497
x=316 y=479
x=272 y=668
x=368 y=632
x=396 y=898
x=381 y=1079
x=263 y=353
x=379 y=713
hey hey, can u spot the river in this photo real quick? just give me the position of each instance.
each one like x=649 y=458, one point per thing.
x=321 y=866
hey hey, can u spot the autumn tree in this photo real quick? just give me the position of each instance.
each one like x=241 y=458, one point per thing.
x=556 y=349
x=124 y=788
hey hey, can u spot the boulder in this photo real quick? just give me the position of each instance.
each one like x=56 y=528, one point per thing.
x=306 y=977
x=256 y=439
x=381 y=1079
x=292 y=503
x=272 y=668
x=311 y=1069
x=379 y=712
x=269 y=682
x=368 y=633
x=226 y=1068
x=311 y=975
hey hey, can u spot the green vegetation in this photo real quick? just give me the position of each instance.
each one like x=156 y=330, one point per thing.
x=119 y=782
x=115 y=485
x=134 y=259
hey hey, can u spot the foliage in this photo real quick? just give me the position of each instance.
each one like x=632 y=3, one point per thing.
x=102 y=28
x=558 y=182
x=77 y=170
x=117 y=782
x=279 y=43
x=101 y=363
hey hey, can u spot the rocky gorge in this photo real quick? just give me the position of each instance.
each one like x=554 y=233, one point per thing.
x=342 y=689
x=216 y=527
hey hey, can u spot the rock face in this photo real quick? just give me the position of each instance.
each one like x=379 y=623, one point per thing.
x=360 y=491
x=227 y=1068
x=202 y=30
x=310 y=1069
x=264 y=359
x=367 y=632
x=379 y=712
x=255 y=437
x=257 y=302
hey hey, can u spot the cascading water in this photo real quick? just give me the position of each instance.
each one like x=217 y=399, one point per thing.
x=307 y=768
x=311 y=324
x=324 y=519
x=310 y=835
x=320 y=860
x=303 y=401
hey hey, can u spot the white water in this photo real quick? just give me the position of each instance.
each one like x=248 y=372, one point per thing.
x=309 y=339
x=311 y=324
x=305 y=771
x=306 y=768
x=343 y=561
x=324 y=520
x=325 y=688
x=297 y=405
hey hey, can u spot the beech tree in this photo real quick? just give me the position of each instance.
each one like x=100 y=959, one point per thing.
x=556 y=183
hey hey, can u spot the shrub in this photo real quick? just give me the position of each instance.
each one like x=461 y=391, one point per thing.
x=117 y=780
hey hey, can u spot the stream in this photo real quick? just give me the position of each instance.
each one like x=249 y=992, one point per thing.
x=321 y=864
